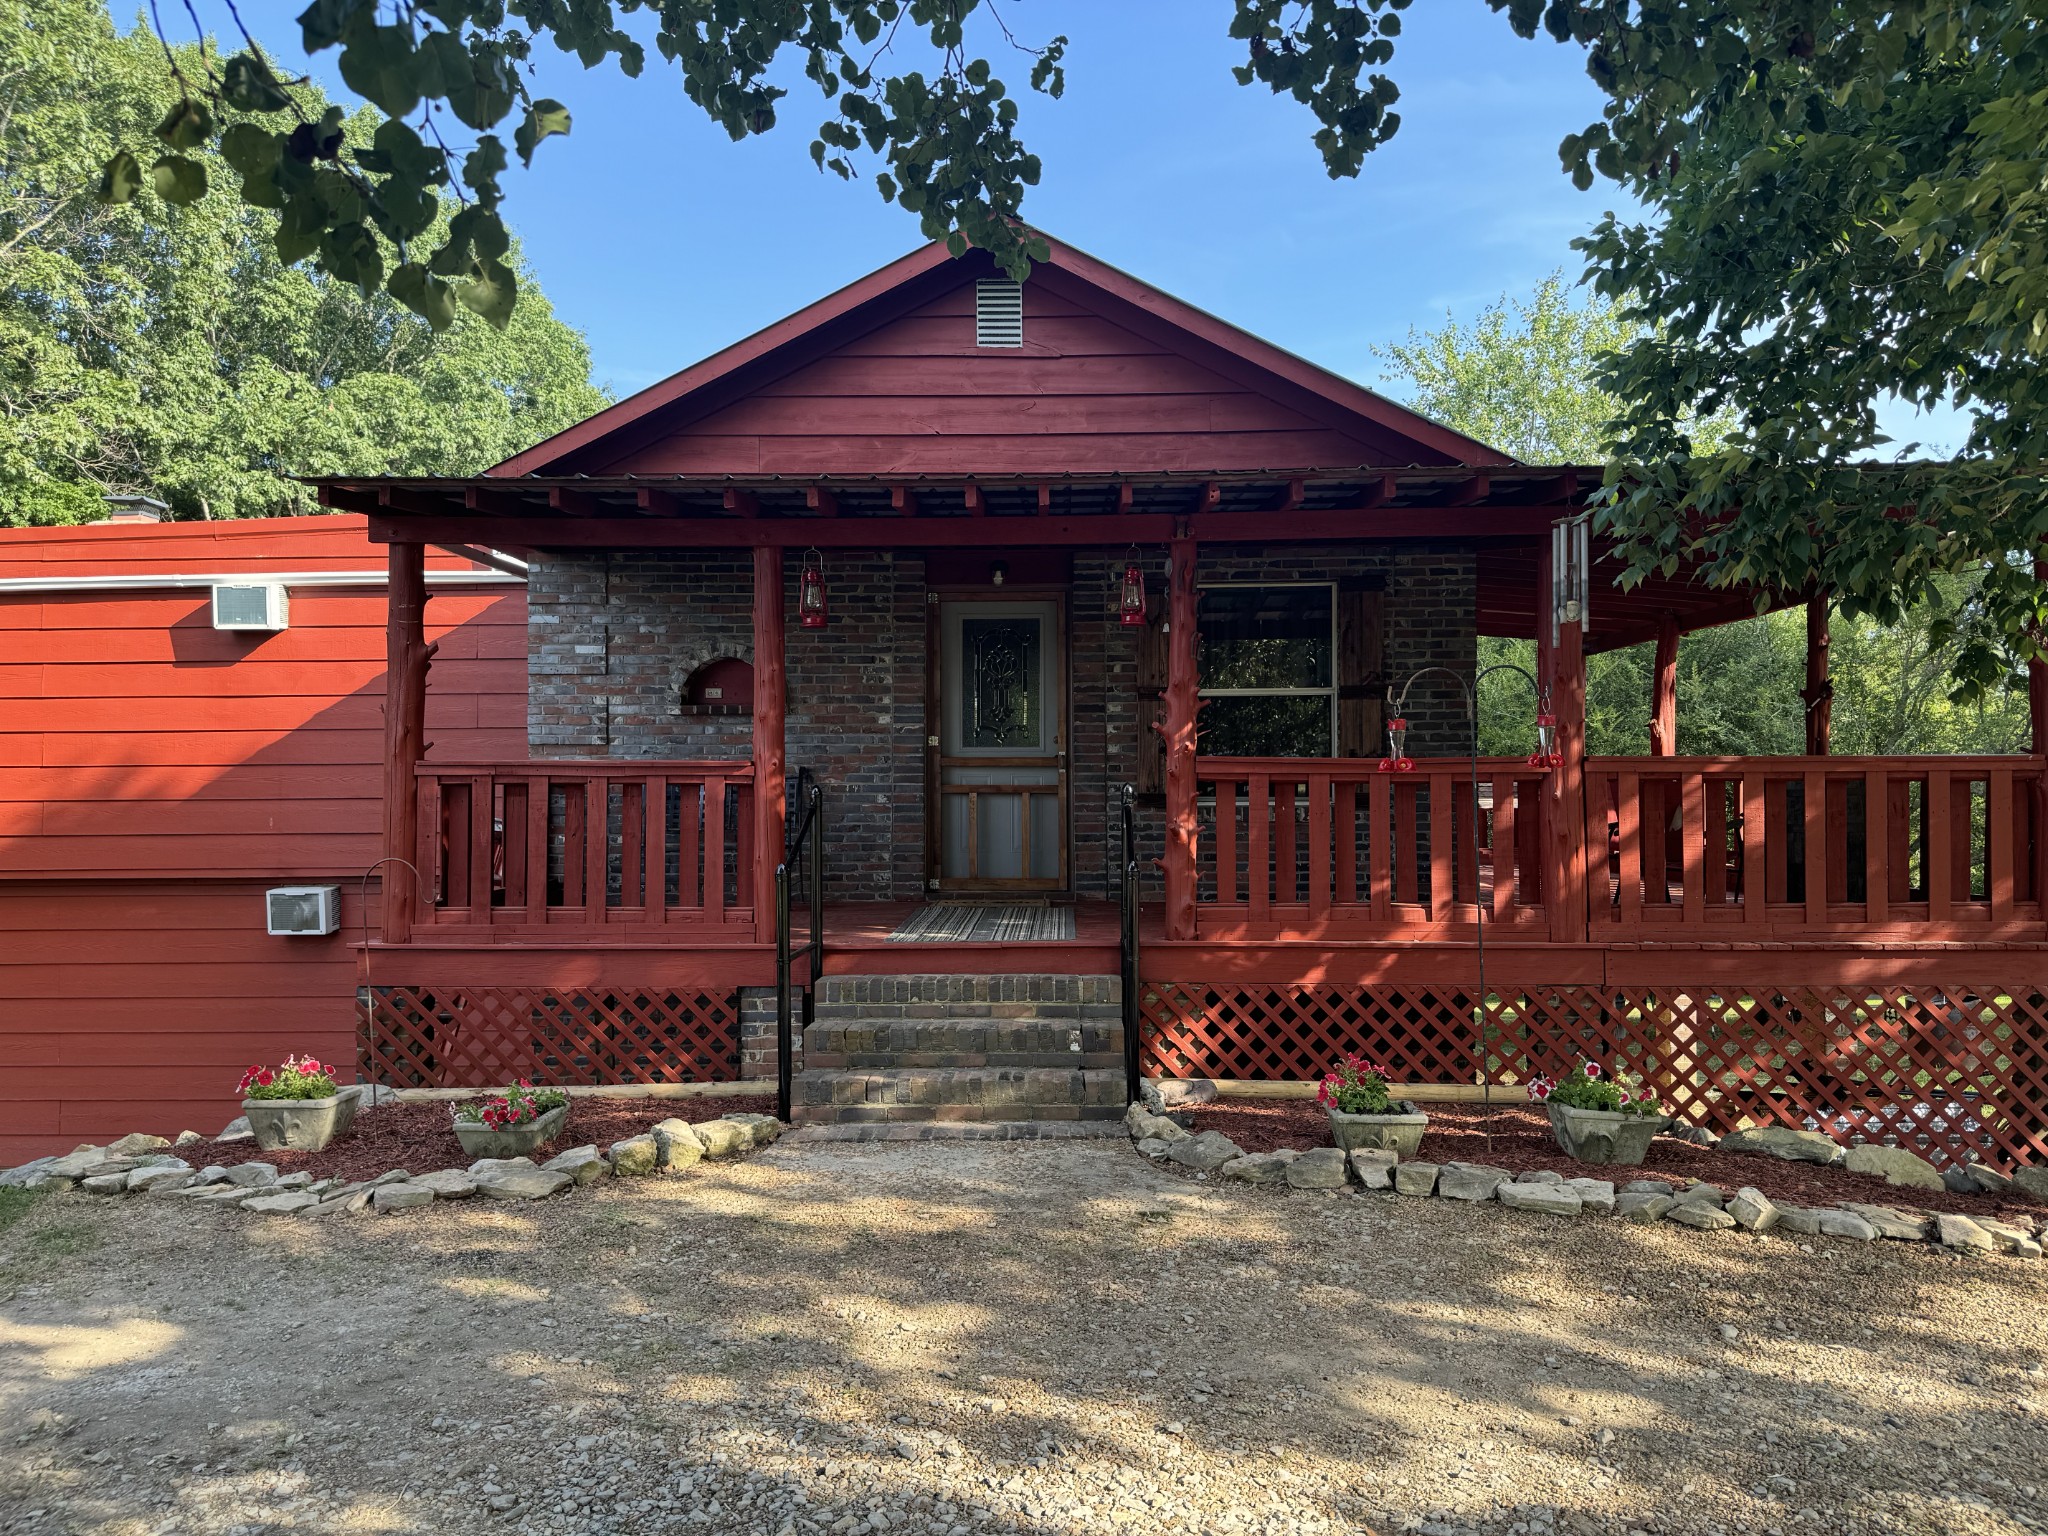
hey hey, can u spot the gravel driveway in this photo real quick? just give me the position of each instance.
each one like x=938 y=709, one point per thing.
x=1044 y=1338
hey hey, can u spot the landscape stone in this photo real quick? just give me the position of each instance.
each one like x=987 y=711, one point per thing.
x=1798 y=1219
x=1596 y=1196
x=1895 y=1165
x=104 y=1183
x=517 y=1179
x=634 y=1156
x=676 y=1144
x=1146 y=1126
x=2032 y=1180
x=1169 y=1093
x=1988 y=1179
x=150 y=1178
x=1530 y=1195
x=1374 y=1167
x=136 y=1144
x=1256 y=1168
x=1961 y=1232
x=295 y=1181
x=1319 y=1168
x=1206 y=1152
x=1416 y=1178
x=1643 y=1207
x=1469 y=1181
x=287 y=1204
x=236 y=1129
x=1704 y=1215
x=73 y=1165
x=1959 y=1182
x=343 y=1204
x=1155 y=1146
x=1539 y=1176
x=1752 y=1210
x=1649 y=1187
x=762 y=1128
x=17 y=1178
x=1702 y=1192
x=399 y=1197
x=1846 y=1224
x=723 y=1138
x=584 y=1165
x=1782 y=1141
x=250 y=1175
x=1900 y=1226
x=186 y=1138
x=2010 y=1239
x=448 y=1184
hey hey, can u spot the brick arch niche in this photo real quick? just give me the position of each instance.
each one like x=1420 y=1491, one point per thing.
x=721 y=686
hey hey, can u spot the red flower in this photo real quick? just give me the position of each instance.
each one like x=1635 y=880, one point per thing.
x=265 y=1078
x=1539 y=1089
x=1593 y=1071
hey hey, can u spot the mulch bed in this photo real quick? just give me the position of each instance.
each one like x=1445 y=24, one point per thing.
x=1520 y=1139
x=420 y=1138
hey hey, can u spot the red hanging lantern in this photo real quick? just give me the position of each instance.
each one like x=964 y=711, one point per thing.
x=1130 y=602
x=1398 y=760
x=811 y=608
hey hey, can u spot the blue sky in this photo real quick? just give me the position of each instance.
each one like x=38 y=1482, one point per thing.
x=663 y=241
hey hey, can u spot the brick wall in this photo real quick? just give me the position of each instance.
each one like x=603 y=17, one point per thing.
x=1430 y=621
x=614 y=637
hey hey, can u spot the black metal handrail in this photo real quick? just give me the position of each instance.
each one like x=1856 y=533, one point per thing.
x=808 y=842
x=1129 y=946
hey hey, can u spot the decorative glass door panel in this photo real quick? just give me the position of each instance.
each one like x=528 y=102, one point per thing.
x=1002 y=758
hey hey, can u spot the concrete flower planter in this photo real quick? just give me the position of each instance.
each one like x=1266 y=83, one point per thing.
x=479 y=1140
x=1604 y=1137
x=1399 y=1131
x=300 y=1125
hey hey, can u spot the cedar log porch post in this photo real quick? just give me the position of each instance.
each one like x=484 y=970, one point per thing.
x=1819 y=692
x=1178 y=732
x=1664 y=690
x=771 y=808
x=406 y=655
x=1568 y=819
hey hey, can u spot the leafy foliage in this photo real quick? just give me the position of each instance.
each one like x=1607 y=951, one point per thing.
x=436 y=68
x=298 y=1078
x=1586 y=1086
x=1354 y=1087
x=521 y=1104
x=1523 y=376
x=166 y=349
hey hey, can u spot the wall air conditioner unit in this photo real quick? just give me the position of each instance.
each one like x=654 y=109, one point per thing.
x=256 y=606
x=302 y=910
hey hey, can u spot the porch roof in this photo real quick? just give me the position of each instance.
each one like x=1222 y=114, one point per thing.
x=1506 y=512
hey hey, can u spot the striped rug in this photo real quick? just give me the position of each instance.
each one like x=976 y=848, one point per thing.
x=959 y=922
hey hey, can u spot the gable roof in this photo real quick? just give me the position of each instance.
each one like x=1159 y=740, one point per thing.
x=1130 y=379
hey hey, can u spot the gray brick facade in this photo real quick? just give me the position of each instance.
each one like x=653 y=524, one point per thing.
x=614 y=638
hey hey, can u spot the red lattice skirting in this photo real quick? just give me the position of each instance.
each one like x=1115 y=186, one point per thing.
x=478 y=1037
x=1955 y=1071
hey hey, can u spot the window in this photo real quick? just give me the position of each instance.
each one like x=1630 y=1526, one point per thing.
x=1267 y=661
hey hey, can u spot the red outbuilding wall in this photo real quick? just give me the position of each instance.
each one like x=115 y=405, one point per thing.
x=158 y=775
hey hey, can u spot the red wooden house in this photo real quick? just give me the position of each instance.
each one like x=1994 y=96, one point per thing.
x=950 y=549
x=158 y=775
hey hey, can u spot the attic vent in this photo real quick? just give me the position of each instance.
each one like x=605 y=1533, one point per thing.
x=998 y=312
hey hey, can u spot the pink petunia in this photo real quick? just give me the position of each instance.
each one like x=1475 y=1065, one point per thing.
x=1593 y=1071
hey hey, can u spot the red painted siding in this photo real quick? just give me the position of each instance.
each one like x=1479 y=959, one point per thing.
x=1085 y=393
x=156 y=775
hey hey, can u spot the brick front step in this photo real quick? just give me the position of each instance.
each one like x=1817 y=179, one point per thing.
x=996 y=1089
x=1048 y=1043
x=967 y=996
x=930 y=1114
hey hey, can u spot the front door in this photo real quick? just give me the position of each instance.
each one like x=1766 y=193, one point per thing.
x=1001 y=767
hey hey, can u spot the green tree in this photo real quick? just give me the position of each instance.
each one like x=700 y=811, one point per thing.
x=167 y=349
x=1524 y=376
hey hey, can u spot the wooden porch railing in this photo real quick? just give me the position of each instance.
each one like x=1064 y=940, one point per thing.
x=1332 y=847
x=1912 y=848
x=558 y=848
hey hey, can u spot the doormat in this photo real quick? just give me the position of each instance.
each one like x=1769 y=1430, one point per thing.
x=959 y=922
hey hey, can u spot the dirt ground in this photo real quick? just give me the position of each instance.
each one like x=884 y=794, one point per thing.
x=1034 y=1338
